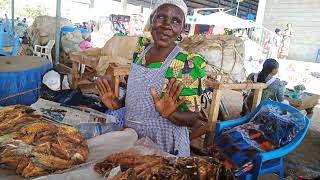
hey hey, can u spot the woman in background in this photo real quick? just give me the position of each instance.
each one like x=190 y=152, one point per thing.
x=274 y=44
x=275 y=87
x=288 y=34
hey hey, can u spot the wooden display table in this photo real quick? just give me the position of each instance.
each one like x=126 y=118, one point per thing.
x=114 y=70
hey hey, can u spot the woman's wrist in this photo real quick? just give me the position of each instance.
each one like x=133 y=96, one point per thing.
x=115 y=103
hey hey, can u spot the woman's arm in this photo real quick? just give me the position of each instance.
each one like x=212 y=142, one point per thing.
x=188 y=119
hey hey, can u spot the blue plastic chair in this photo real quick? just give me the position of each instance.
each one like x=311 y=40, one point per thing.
x=8 y=39
x=262 y=164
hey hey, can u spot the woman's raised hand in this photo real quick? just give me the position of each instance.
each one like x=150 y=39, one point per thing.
x=169 y=103
x=106 y=93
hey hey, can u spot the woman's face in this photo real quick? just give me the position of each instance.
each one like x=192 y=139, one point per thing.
x=275 y=71
x=167 y=25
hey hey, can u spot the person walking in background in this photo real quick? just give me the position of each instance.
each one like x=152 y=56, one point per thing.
x=288 y=34
x=274 y=44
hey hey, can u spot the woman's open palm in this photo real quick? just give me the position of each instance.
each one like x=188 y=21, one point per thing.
x=169 y=103
x=106 y=93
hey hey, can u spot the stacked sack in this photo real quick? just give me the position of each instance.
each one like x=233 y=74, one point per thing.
x=43 y=29
x=224 y=56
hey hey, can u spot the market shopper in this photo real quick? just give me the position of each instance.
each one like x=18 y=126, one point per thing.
x=275 y=87
x=164 y=85
x=288 y=34
x=275 y=43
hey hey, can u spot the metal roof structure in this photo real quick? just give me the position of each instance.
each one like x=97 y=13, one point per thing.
x=245 y=6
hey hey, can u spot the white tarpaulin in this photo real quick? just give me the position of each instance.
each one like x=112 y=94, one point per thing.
x=220 y=19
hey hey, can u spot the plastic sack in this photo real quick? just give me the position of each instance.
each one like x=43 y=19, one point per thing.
x=55 y=81
x=280 y=126
x=93 y=129
x=223 y=54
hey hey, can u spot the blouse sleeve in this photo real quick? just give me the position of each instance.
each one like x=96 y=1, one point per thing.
x=141 y=44
x=280 y=90
x=189 y=69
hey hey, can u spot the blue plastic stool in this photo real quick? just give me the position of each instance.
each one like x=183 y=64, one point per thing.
x=318 y=56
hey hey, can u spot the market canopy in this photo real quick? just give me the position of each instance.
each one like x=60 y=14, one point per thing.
x=220 y=19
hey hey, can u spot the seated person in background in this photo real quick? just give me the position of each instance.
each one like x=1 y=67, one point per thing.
x=275 y=88
x=86 y=43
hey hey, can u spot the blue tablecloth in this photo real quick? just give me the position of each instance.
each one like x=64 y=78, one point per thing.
x=20 y=79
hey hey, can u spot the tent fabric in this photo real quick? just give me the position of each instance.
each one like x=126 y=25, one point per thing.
x=23 y=85
x=221 y=19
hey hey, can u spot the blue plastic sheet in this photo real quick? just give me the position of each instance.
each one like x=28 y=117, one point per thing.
x=21 y=87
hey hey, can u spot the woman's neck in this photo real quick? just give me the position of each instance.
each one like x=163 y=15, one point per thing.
x=159 y=54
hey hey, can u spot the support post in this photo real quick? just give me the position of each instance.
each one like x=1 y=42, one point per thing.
x=124 y=6
x=12 y=15
x=213 y=117
x=57 y=44
x=256 y=98
x=237 y=8
x=260 y=12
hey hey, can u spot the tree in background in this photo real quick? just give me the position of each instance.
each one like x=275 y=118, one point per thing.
x=32 y=11
x=5 y=5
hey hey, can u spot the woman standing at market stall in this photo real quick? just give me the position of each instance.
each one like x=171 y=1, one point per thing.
x=164 y=85
x=288 y=34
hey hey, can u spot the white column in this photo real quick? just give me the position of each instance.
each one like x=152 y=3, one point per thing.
x=124 y=6
x=12 y=15
x=260 y=12
x=57 y=44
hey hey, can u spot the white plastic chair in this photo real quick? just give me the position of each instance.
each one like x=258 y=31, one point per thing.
x=42 y=51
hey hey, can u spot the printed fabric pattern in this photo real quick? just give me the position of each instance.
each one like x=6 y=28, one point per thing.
x=187 y=68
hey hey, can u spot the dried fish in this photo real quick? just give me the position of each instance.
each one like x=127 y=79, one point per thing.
x=34 y=146
x=137 y=167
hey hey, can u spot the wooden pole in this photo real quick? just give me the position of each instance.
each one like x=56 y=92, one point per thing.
x=57 y=44
x=237 y=8
x=12 y=15
x=213 y=117
x=124 y=6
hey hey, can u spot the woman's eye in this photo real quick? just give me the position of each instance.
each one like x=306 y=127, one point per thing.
x=161 y=17
x=176 y=21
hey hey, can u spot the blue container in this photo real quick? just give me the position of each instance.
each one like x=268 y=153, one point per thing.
x=71 y=29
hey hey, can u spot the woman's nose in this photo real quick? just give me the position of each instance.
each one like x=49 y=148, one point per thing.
x=167 y=23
